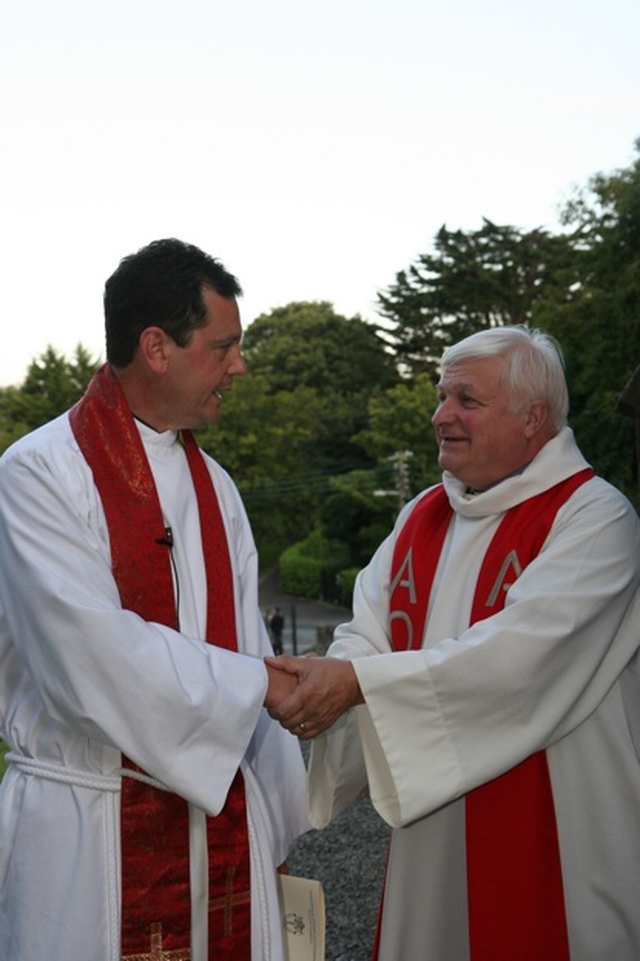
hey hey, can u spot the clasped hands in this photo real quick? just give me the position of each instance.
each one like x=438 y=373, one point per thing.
x=308 y=694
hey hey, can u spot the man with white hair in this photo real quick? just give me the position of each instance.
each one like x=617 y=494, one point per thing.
x=487 y=687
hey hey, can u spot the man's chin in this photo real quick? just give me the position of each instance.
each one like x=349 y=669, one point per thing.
x=210 y=421
x=206 y=420
x=448 y=463
x=211 y=413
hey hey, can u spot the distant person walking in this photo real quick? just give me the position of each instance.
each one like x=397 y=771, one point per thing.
x=276 y=627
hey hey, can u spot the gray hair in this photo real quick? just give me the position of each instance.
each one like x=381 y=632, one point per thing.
x=534 y=368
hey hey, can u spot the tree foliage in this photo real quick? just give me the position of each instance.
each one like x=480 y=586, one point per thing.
x=342 y=360
x=263 y=440
x=308 y=343
x=599 y=329
x=399 y=421
x=471 y=281
x=52 y=385
x=291 y=425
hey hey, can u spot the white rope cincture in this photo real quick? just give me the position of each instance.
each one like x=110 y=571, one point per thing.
x=140 y=776
x=67 y=775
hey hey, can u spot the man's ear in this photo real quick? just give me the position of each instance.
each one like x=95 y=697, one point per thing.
x=153 y=347
x=537 y=417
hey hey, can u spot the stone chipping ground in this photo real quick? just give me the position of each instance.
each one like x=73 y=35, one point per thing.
x=348 y=857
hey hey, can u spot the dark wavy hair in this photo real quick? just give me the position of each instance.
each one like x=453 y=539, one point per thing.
x=160 y=286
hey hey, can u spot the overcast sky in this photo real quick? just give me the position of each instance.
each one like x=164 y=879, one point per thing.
x=315 y=147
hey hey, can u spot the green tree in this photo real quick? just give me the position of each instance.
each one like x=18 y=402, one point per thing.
x=343 y=360
x=358 y=513
x=599 y=327
x=361 y=506
x=52 y=384
x=289 y=427
x=308 y=343
x=400 y=422
x=473 y=280
x=263 y=439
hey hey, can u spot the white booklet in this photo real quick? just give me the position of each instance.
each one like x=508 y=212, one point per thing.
x=303 y=918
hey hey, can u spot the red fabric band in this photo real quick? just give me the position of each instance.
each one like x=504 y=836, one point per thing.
x=156 y=901
x=514 y=878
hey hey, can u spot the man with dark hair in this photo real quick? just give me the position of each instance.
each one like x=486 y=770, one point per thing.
x=149 y=798
x=161 y=285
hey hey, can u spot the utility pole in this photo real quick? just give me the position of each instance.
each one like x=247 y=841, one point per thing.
x=400 y=461
x=403 y=488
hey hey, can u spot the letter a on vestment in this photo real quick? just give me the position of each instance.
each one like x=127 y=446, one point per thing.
x=510 y=563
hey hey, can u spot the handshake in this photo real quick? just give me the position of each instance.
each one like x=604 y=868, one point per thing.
x=308 y=694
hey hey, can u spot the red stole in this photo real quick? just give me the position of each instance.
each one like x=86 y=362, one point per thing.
x=156 y=900
x=514 y=878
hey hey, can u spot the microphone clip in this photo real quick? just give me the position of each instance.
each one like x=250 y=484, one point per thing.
x=167 y=540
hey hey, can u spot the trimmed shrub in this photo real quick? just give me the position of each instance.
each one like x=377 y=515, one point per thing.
x=310 y=568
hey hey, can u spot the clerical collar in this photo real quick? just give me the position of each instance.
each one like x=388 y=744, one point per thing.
x=147 y=424
x=149 y=428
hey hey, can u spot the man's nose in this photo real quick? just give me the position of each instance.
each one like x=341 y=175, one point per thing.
x=239 y=365
x=441 y=414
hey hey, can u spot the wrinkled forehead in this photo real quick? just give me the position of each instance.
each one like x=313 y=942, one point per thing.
x=473 y=371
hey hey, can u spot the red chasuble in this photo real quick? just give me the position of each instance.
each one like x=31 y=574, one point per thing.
x=514 y=879
x=156 y=901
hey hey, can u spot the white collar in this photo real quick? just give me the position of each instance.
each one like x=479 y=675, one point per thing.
x=559 y=458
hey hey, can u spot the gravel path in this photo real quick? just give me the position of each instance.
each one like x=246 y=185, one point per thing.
x=349 y=858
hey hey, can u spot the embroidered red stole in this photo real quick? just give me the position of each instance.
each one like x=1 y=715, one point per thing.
x=156 y=900
x=514 y=878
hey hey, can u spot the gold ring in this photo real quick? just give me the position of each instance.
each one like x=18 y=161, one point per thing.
x=302 y=727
